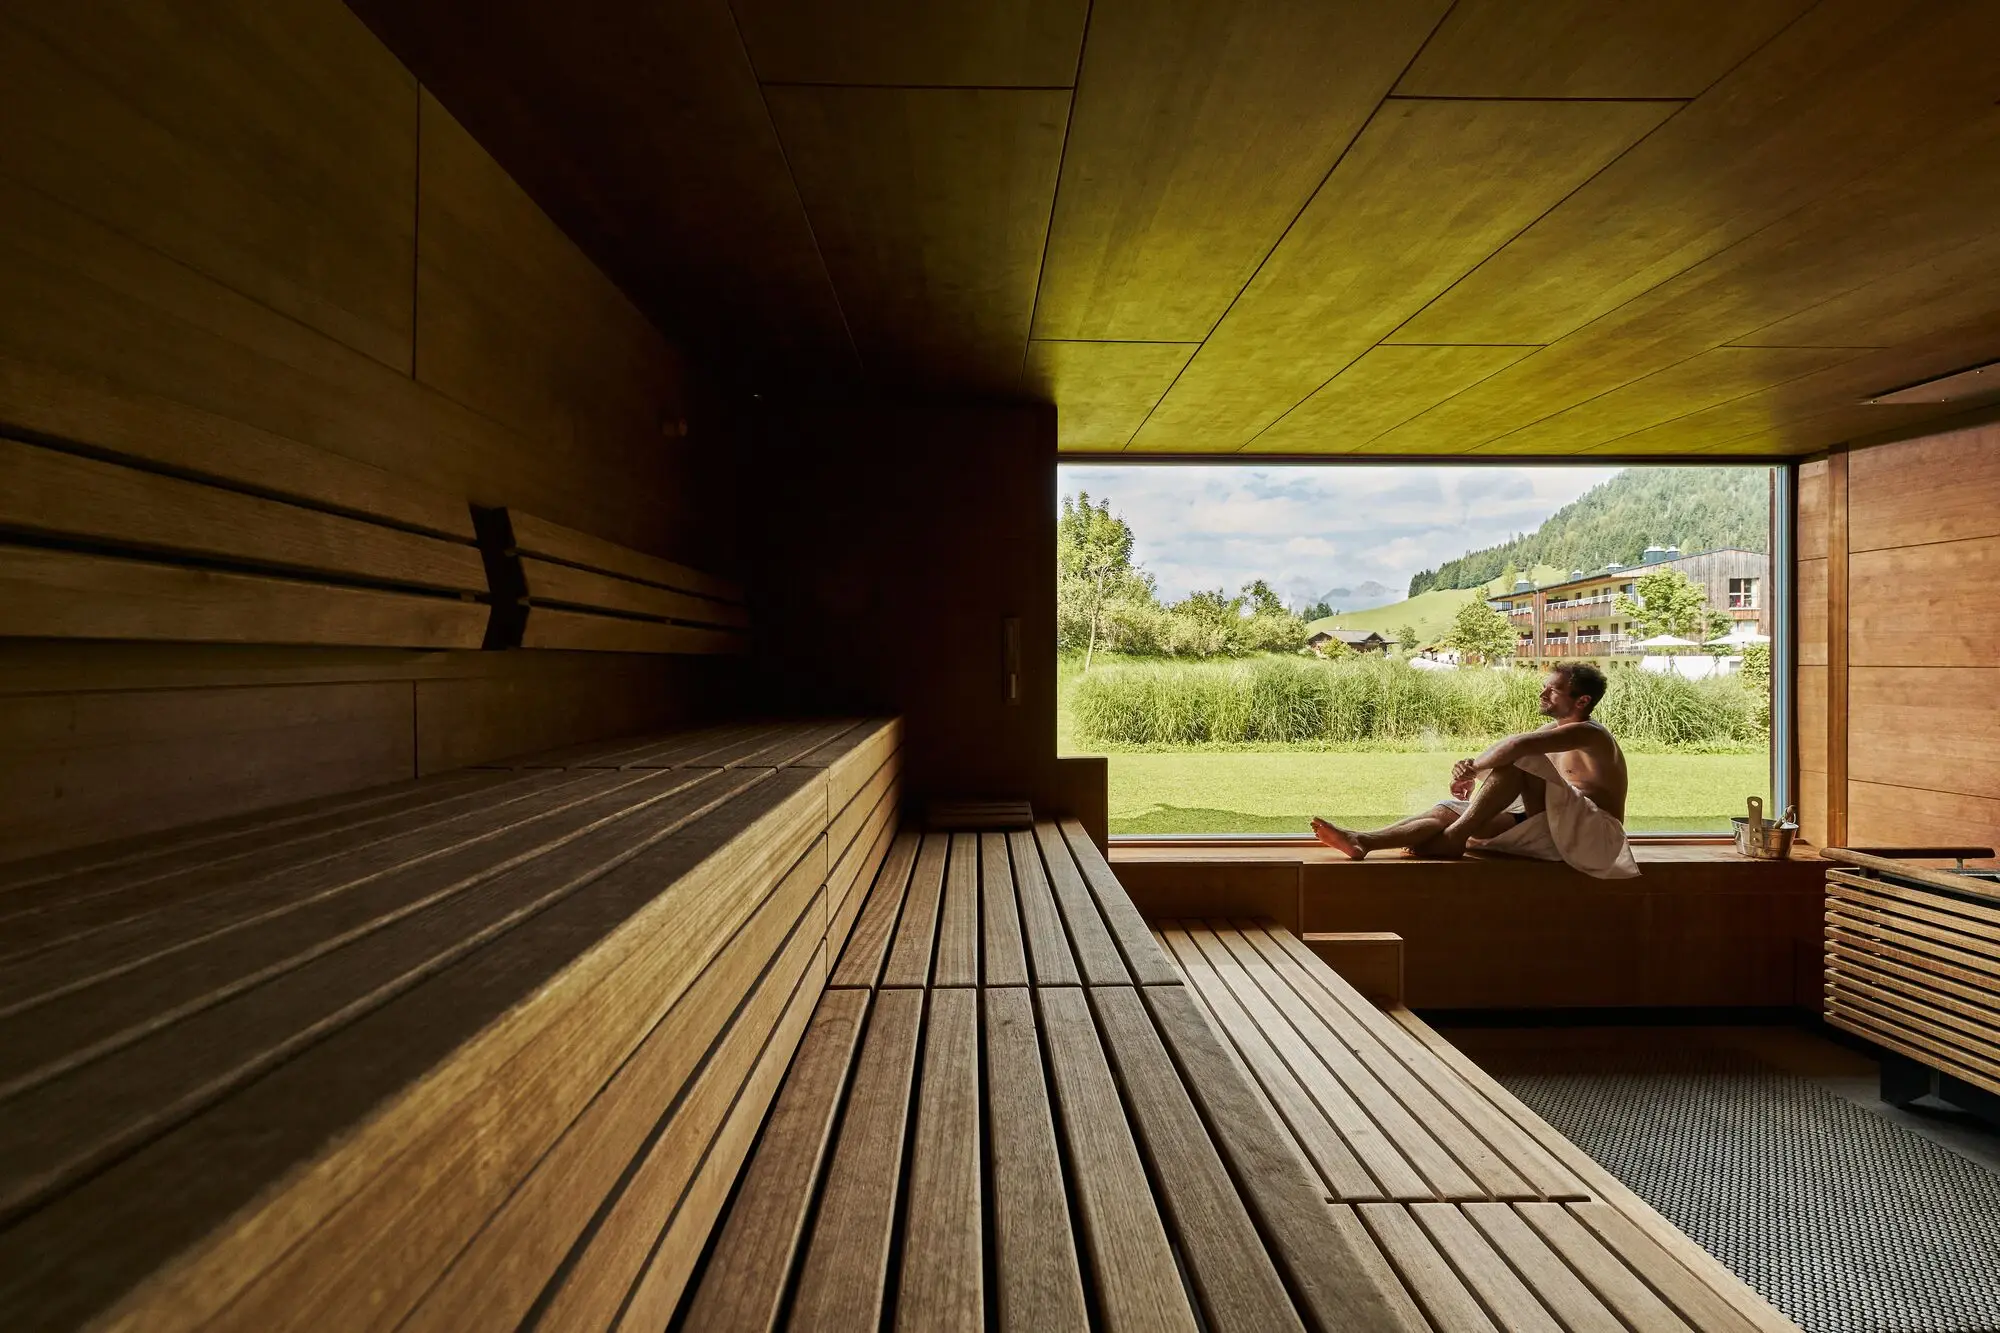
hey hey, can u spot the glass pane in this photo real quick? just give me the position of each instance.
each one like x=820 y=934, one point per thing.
x=1252 y=647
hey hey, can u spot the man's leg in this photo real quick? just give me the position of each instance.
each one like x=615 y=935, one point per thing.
x=1486 y=816
x=1416 y=831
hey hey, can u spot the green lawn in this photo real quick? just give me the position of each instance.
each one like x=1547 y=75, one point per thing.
x=1277 y=792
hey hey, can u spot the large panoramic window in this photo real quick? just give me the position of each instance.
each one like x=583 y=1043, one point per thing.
x=1254 y=646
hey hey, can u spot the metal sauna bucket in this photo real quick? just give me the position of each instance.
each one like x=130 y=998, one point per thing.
x=1762 y=840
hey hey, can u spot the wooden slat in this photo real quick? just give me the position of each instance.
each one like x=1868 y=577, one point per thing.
x=1097 y=958
x=1006 y=961
x=942 y=1283
x=845 y=1278
x=615 y=1161
x=630 y=925
x=566 y=585
x=1336 y=1136
x=854 y=870
x=862 y=808
x=916 y=933
x=743 y=1285
x=69 y=595
x=1037 y=1284
x=1692 y=1298
x=869 y=942
x=1897 y=1031
x=1136 y=1282
x=774 y=746
x=1429 y=1276
x=67 y=495
x=1231 y=1271
x=691 y=748
x=1956 y=1025
x=958 y=919
x=539 y=537
x=1572 y=1303
x=854 y=757
x=1048 y=943
x=1141 y=951
x=1499 y=1289
x=1621 y=1289
x=551 y=627
x=1331 y=1281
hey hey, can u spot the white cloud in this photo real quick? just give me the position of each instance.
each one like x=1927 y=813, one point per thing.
x=1308 y=529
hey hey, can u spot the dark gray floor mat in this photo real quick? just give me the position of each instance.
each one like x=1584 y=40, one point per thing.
x=1845 y=1221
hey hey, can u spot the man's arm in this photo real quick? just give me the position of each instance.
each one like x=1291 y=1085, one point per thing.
x=1548 y=740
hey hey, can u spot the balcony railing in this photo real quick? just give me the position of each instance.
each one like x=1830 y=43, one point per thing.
x=1602 y=645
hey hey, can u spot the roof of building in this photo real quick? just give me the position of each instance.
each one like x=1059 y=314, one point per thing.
x=1351 y=636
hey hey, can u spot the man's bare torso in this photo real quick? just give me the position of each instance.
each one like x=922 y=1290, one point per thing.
x=1597 y=769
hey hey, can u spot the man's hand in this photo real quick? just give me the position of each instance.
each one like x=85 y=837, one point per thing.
x=1464 y=771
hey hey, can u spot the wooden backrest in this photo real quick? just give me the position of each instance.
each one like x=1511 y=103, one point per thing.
x=290 y=545
x=438 y=1057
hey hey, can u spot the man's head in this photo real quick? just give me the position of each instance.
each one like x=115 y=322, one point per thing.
x=1572 y=691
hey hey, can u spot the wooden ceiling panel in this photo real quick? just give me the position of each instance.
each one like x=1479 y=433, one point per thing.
x=960 y=43
x=1706 y=380
x=1201 y=130
x=1105 y=388
x=1381 y=391
x=1428 y=191
x=1591 y=48
x=1853 y=85
x=932 y=209
x=640 y=129
x=1941 y=292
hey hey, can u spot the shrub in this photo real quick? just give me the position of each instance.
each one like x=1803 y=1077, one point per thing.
x=1354 y=700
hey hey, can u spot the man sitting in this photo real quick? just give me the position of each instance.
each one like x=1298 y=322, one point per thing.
x=1553 y=794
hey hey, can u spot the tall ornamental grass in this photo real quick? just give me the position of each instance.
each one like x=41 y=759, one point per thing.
x=1357 y=700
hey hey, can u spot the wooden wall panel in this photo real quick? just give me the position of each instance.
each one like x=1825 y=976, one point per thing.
x=1931 y=605
x=1812 y=718
x=1838 y=645
x=210 y=234
x=1885 y=816
x=88 y=767
x=1932 y=727
x=1810 y=592
x=1938 y=489
x=1812 y=509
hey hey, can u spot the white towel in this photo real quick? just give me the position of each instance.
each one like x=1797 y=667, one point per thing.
x=1571 y=829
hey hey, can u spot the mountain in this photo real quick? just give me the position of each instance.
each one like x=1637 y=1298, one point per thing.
x=1694 y=508
x=1360 y=597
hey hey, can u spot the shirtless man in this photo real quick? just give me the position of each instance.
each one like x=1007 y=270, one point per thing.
x=1582 y=751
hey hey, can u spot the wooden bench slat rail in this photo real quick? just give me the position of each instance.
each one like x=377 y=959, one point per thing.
x=1006 y=957
x=449 y=1055
x=942 y=1284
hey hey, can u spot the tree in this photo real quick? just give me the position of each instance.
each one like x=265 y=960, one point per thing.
x=1093 y=569
x=1481 y=632
x=1319 y=610
x=1406 y=639
x=1669 y=602
x=1257 y=595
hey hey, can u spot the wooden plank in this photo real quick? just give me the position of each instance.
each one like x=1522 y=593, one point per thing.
x=1687 y=1275
x=1899 y=495
x=774 y=746
x=551 y=627
x=1951 y=1022
x=1504 y=1159
x=1385 y=387
x=894 y=41
x=1499 y=1289
x=687 y=747
x=958 y=920
x=1356 y=1159
x=1334 y=1286
x=1136 y=1281
x=1048 y=943
x=1574 y=1305
x=70 y=595
x=1427 y=1273
x=743 y=1284
x=844 y=1281
x=1141 y=951
x=401 y=1120
x=862 y=808
x=1907 y=605
x=942 y=1285
x=1037 y=1284
x=1811 y=599
x=916 y=933
x=1097 y=958
x=1383 y=235
x=1882 y=815
x=63 y=494
x=965 y=178
x=1841 y=626
x=1621 y=1290
x=856 y=871
x=598 y=1195
x=1006 y=961
x=1664 y=1272
x=1812 y=501
x=1105 y=388
x=118 y=986
x=854 y=757
x=874 y=930
x=653 y=1299
x=538 y=537
x=1896 y=1031
x=1232 y=1273
x=565 y=585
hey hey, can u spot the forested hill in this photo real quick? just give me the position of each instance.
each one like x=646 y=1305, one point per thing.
x=1695 y=509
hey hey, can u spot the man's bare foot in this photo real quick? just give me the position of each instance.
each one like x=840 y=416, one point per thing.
x=1348 y=844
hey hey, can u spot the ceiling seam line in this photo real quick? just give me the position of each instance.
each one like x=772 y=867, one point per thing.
x=1338 y=158
x=1464 y=97
x=784 y=155
x=922 y=87
x=1049 y=229
x=1532 y=349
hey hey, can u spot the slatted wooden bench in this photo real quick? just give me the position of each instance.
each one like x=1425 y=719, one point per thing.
x=473 y=1052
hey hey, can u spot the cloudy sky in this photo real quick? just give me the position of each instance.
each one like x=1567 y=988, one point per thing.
x=1308 y=529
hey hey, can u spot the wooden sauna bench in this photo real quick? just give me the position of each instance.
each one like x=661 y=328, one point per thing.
x=1019 y=1107
x=476 y=1051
